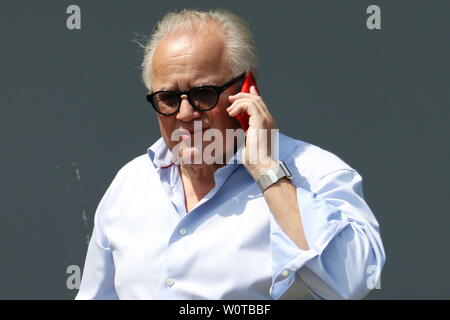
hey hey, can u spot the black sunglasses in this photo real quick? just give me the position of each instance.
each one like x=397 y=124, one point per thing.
x=203 y=98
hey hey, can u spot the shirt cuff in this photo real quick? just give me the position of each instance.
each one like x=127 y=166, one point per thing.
x=321 y=223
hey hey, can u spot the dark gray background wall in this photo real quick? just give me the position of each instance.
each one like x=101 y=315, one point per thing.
x=73 y=112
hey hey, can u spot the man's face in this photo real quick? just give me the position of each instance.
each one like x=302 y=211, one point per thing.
x=185 y=61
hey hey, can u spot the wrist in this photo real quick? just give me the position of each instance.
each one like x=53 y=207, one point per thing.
x=270 y=176
x=257 y=169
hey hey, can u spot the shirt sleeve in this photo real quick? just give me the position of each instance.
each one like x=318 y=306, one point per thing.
x=98 y=274
x=345 y=255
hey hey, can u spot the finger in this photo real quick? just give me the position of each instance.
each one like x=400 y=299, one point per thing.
x=239 y=95
x=240 y=106
x=260 y=108
x=253 y=91
x=243 y=104
x=254 y=96
x=237 y=107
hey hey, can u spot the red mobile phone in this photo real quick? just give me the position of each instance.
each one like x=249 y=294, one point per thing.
x=249 y=81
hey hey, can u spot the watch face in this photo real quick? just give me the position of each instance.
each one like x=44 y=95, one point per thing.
x=286 y=170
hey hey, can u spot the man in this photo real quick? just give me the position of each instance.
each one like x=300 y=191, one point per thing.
x=170 y=227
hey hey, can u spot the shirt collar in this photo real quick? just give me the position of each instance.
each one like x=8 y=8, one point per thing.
x=160 y=155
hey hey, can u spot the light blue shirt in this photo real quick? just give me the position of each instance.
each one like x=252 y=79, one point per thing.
x=229 y=246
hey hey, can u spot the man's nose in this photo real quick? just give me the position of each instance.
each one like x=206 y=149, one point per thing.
x=187 y=112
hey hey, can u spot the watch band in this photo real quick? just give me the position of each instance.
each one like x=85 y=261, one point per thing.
x=272 y=175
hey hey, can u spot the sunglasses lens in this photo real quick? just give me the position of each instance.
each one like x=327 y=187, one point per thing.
x=204 y=98
x=166 y=102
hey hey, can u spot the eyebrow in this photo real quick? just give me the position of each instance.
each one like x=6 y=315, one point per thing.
x=201 y=84
x=205 y=83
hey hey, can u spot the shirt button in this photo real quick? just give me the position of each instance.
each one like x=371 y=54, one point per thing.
x=285 y=273
x=182 y=231
x=170 y=282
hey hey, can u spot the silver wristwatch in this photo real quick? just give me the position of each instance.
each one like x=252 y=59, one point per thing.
x=272 y=175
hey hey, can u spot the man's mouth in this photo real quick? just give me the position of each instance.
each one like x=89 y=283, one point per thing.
x=196 y=128
x=193 y=131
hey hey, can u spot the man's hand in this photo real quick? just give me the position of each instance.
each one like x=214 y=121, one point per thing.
x=257 y=156
x=281 y=197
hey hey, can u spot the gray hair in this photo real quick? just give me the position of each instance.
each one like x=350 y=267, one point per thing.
x=239 y=43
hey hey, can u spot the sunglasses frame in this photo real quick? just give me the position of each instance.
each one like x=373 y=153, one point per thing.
x=178 y=94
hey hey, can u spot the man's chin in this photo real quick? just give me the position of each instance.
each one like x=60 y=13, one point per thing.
x=190 y=156
x=194 y=156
